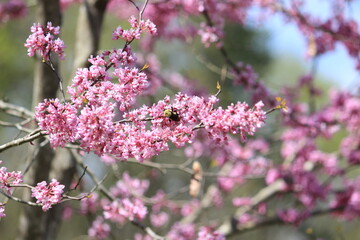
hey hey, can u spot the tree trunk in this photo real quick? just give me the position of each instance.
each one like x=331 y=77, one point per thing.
x=45 y=162
x=91 y=15
x=34 y=223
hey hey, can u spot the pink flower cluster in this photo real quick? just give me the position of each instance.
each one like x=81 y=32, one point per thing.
x=293 y=216
x=9 y=178
x=127 y=205
x=43 y=40
x=89 y=204
x=181 y=231
x=96 y=130
x=245 y=76
x=347 y=201
x=206 y=233
x=2 y=209
x=209 y=35
x=135 y=31
x=99 y=230
x=12 y=9
x=128 y=187
x=58 y=119
x=125 y=209
x=48 y=194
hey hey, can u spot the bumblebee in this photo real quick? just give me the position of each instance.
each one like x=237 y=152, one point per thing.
x=172 y=115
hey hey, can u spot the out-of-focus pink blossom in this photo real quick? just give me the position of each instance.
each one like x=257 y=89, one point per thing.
x=2 y=209
x=12 y=9
x=206 y=233
x=120 y=210
x=128 y=187
x=99 y=229
x=293 y=216
x=181 y=231
x=241 y=201
x=89 y=204
x=159 y=219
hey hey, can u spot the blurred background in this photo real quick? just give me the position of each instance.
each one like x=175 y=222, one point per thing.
x=275 y=50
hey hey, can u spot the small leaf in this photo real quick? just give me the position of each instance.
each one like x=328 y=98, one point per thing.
x=214 y=163
x=146 y=66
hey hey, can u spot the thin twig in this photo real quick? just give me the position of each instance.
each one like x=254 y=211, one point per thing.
x=143 y=9
x=102 y=188
x=51 y=66
x=163 y=167
x=92 y=175
x=19 y=200
x=133 y=3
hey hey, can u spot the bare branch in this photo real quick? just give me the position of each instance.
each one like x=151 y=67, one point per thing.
x=28 y=138
x=142 y=10
x=15 y=110
x=19 y=200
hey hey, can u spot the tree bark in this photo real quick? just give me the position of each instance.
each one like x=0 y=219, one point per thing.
x=34 y=223
x=91 y=15
x=45 y=162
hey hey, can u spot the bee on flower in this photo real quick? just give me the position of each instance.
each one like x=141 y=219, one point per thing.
x=172 y=114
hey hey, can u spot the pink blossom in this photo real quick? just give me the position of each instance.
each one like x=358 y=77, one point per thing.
x=120 y=210
x=67 y=213
x=247 y=75
x=48 y=194
x=293 y=216
x=262 y=208
x=216 y=197
x=131 y=84
x=127 y=187
x=159 y=219
x=159 y=200
x=89 y=205
x=99 y=229
x=135 y=31
x=138 y=236
x=189 y=207
x=234 y=177
x=95 y=127
x=43 y=40
x=120 y=57
x=182 y=232
x=209 y=34
x=58 y=120
x=247 y=218
x=9 y=178
x=12 y=9
x=206 y=233
x=241 y=201
x=2 y=210
x=347 y=201
x=272 y=175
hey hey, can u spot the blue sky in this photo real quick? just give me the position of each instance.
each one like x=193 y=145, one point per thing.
x=336 y=66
